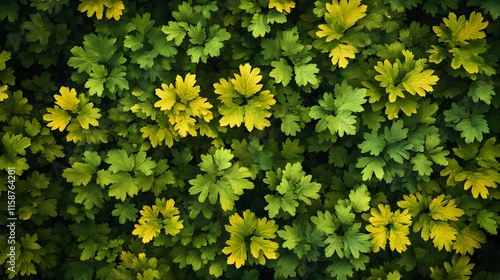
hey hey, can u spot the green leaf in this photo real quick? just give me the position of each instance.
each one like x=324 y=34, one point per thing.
x=482 y=90
x=123 y=184
x=125 y=211
x=119 y=161
x=371 y=166
x=340 y=269
x=373 y=143
x=89 y=195
x=473 y=128
x=488 y=221
x=15 y=143
x=282 y=72
x=258 y=25
x=224 y=181
x=360 y=199
x=306 y=74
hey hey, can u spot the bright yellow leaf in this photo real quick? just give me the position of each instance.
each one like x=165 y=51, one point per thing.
x=3 y=93
x=67 y=99
x=282 y=5
x=443 y=235
x=57 y=118
x=247 y=84
x=114 y=8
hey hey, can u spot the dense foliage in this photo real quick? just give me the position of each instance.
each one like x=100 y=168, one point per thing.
x=251 y=139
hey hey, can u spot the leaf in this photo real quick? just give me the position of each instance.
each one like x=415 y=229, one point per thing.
x=224 y=181
x=443 y=235
x=479 y=181
x=419 y=82
x=488 y=221
x=373 y=143
x=125 y=211
x=461 y=30
x=444 y=210
x=79 y=174
x=397 y=232
x=306 y=74
x=460 y=268
x=89 y=195
x=348 y=100
x=468 y=239
x=282 y=5
x=282 y=72
x=293 y=187
x=258 y=25
x=422 y=165
x=341 y=52
x=113 y=8
x=481 y=90
x=123 y=185
x=57 y=118
x=88 y=115
x=119 y=161
x=340 y=269
x=258 y=231
x=371 y=166
x=15 y=143
x=360 y=199
x=244 y=87
x=149 y=226
x=473 y=128
x=67 y=99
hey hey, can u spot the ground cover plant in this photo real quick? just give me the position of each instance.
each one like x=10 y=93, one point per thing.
x=250 y=139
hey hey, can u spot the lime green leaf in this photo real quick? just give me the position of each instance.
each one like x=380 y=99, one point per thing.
x=460 y=268
x=422 y=165
x=371 y=166
x=144 y=164
x=360 y=199
x=123 y=185
x=373 y=143
x=244 y=87
x=282 y=72
x=119 y=161
x=293 y=186
x=88 y=115
x=259 y=26
x=459 y=30
x=306 y=74
x=340 y=269
x=89 y=195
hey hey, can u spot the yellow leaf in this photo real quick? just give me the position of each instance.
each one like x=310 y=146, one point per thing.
x=167 y=97
x=114 y=8
x=282 y=5
x=3 y=93
x=444 y=211
x=442 y=235
x=479 y=181
x=247 y=84
x=345 y=13
x=67 y=99
x=340 y=54
x=57 y=118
